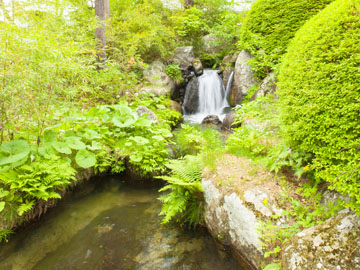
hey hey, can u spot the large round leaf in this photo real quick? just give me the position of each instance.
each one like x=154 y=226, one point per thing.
x=75 y=143
x=85 y=159
x=62 y=147
x=13 y=151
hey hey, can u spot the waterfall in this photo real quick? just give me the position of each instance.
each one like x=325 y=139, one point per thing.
x=229 y=85
x=212 y=97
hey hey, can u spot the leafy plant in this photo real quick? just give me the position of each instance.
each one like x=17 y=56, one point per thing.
x=182 y=201
x=174 y=72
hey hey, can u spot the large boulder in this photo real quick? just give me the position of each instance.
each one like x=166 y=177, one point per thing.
x=268 y=86
x=191 y=101
x=329 y=246
x=234 y=207
x=244 y=78
x=141 y=110
x=156 y=75
x=156 y=90
x=184 y=57
x=228 y=121
x=210 y=45
x=198 y=67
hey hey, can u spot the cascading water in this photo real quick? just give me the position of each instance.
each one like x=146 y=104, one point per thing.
x=212 y=97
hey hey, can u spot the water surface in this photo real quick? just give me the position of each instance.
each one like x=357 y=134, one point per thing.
x=109 y=226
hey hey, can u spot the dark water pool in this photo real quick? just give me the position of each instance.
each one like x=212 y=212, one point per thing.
x=111 y=226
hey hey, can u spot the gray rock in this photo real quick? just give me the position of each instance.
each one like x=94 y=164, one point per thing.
x=268 y=86
x=191 y=101
x=156 y=75
x=230 y=59
x=175 y=106
x=244 y=78
x=331 y=245
x=212 y=120
x=156 y=90
x=210 y=45
x=226 y=74
x=228 y=121
x=198 y=67
x=235 y=220
x=141 y=110
x=184 y=57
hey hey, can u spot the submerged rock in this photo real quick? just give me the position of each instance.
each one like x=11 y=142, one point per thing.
x=244 y=78
x=331 y=245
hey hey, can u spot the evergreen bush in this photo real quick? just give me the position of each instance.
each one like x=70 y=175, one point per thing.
x=270 y=25
x=319 y=89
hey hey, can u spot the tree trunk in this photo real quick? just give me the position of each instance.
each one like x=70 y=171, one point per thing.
x=100 y=31
x=188 y=3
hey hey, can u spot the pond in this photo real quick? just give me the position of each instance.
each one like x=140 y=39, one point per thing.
x=110 y=225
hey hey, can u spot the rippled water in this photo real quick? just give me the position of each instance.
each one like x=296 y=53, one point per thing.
x=110 y=226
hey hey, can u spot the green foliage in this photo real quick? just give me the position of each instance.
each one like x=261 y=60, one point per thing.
x=270 y=25
x=141 y=28
x=174 y=72
x=100 y=138
x=181 y=201
x=206 y=142
x=319 y=98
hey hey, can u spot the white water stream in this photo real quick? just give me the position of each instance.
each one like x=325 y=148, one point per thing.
x=212 y=97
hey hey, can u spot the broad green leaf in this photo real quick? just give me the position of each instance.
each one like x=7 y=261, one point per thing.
x=85 y=159
x=158 y=138
x=136 y=157
x=62 y=147
x=2 y=206
x=122 y=121
x=123 y=110
x=50 y=136
x=273 y=266
x=143 y=122
x=94 y=146
x=14 y=151
x=3 y=193
x=75 y=143
x=140 y=140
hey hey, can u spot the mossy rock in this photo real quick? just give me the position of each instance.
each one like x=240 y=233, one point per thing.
x=270 y=25
x=319 y=89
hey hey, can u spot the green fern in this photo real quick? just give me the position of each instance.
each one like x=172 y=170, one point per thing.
x=183 y=201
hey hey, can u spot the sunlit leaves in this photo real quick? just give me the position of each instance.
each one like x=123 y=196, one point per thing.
x=85 y=159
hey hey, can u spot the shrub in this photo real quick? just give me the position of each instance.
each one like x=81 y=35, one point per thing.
x=319 y=85
x=270 y=25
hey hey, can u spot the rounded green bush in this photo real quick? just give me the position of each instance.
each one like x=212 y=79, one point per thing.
x=319 y=89
x=270 y=25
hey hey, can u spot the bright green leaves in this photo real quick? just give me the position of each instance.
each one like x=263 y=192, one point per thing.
x=62 y=147
x=85 y=159
x=75 y=143
x=2 y=206
x=13 y=151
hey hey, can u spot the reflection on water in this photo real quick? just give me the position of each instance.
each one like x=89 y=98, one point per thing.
x=114 y=226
